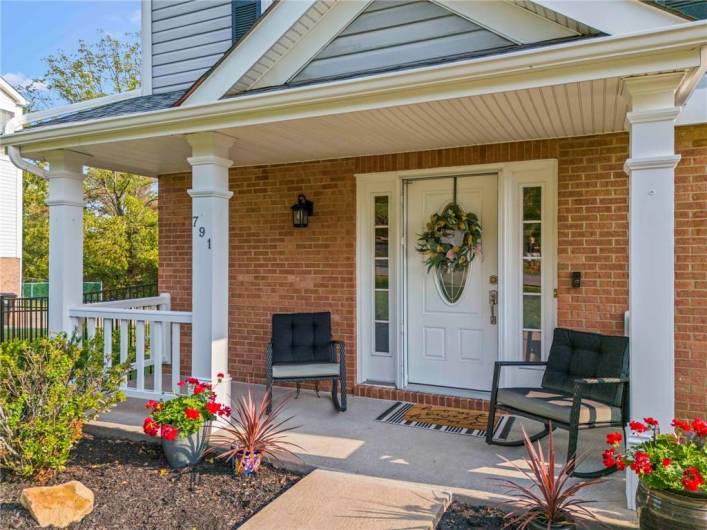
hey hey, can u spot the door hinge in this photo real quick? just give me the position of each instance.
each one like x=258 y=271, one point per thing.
x=554 y=293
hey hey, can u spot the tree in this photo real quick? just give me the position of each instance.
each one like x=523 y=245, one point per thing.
x=120 y=217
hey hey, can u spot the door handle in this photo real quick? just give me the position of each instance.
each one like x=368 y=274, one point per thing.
x=493 y=302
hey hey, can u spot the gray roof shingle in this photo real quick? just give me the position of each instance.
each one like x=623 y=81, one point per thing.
x=118 y=108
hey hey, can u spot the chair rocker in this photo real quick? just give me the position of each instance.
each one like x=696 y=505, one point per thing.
x=301 y=349
x=585 y=386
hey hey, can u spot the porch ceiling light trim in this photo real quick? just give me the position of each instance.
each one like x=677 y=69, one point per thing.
x=594 y=58
x=653 y=162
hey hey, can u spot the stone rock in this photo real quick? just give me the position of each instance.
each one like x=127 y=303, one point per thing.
x=60 y=505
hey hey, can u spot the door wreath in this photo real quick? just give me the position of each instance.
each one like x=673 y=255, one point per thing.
x=450 y=242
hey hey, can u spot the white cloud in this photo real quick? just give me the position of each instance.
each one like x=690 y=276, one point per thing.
x=20 y=81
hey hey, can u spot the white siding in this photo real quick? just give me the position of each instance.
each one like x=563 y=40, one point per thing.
x=393 y=33
x=188 y=37
x=10 y=192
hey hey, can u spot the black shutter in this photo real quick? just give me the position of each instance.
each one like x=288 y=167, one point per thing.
x=245 y=13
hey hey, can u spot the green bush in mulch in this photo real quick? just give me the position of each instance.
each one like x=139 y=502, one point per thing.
x=48 y=389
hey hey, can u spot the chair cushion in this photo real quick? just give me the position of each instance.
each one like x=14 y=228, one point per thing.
x=556 y=405
x=578 y=355
x=302 y=338
x=284 y=371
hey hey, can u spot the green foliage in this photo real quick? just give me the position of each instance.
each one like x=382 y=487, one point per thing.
x=120 y=228
x=436 y=242
x=681 y=456
x=108 y=66
x=35 y=228
x=48 y=389
x=120 y=218
x=188 y=413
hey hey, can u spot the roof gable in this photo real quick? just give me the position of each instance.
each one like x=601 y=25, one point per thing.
x=394 y=33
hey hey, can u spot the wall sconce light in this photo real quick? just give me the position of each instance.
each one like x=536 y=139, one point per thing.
x=301 y=210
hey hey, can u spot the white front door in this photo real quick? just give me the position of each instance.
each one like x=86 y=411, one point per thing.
x=452 y=344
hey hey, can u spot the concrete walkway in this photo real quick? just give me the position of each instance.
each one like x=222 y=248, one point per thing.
x=354 y=442
x=340 y=501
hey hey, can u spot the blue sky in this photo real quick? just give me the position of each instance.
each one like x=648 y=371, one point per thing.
x=31 y=30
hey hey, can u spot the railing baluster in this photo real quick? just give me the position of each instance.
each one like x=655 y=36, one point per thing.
x=155 y=353
x=140 y=354
x=124 y=347
x=108 y=342
x=174 y=355
x=91 y=324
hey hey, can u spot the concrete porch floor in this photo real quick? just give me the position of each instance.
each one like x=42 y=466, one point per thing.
x=354 y=442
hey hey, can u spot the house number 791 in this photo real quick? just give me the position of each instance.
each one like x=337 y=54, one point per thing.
x=202 y=230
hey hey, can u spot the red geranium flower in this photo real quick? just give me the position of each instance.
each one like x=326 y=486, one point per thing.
x=192 y=414
x=220 y=375
x=213 y=408
x=699 y=426
x=666 y=462
x=642 y=463
x=225 y=412
x=193 y=381
x=150 y=427
x=637 y=426
x=169 y=433
x=651 y=421
x=609 y=457
x=681 y=424
x=198 y=389
x=181 y=383
x=620 y=463
x=151 y=404
x=691 y=479
x=614 y=438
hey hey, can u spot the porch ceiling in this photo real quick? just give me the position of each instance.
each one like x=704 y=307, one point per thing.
x=574 y=109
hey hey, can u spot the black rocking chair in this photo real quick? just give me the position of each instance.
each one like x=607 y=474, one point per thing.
x=301 y=349
x=585 y=386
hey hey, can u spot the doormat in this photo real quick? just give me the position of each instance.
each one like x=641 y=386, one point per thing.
x=446 y=419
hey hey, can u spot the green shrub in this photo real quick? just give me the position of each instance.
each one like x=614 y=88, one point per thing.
x=48 y=389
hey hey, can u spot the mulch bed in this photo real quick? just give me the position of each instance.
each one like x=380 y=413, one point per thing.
x=461 y=516
x=135 y=488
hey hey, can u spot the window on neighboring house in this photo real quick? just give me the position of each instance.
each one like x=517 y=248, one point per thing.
x=381 y=283
x=244 y=13
x=532 y=273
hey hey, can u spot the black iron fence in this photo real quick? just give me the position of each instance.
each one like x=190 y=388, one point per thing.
x=121 y=293
x=23 y=318
x=26 y=318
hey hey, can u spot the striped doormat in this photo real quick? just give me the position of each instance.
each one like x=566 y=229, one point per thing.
x=445 y=419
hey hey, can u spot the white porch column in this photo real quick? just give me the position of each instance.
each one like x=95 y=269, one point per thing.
x=210 y=162
x=65 y=202
x=651 y=170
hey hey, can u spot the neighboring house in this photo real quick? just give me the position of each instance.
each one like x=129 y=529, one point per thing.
x=575 y=130
x=11 y=103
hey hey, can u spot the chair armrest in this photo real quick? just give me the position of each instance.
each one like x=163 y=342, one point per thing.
x=521 y=363
x=581 y=384
x=339 y=350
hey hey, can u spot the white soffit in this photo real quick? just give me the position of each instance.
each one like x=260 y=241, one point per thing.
x=568 y=110
x=549 y=14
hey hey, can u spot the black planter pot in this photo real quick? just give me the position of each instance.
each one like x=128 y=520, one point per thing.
x=662 y=509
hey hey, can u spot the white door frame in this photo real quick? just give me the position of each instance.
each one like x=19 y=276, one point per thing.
x=511 y=177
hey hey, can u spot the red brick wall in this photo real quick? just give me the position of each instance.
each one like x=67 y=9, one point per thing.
x=691 y=273
x=275 y=267
x=10 y=275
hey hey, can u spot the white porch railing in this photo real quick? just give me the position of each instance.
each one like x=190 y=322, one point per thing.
x=143 y=331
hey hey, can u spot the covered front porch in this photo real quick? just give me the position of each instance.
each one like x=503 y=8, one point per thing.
x=355 y=443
